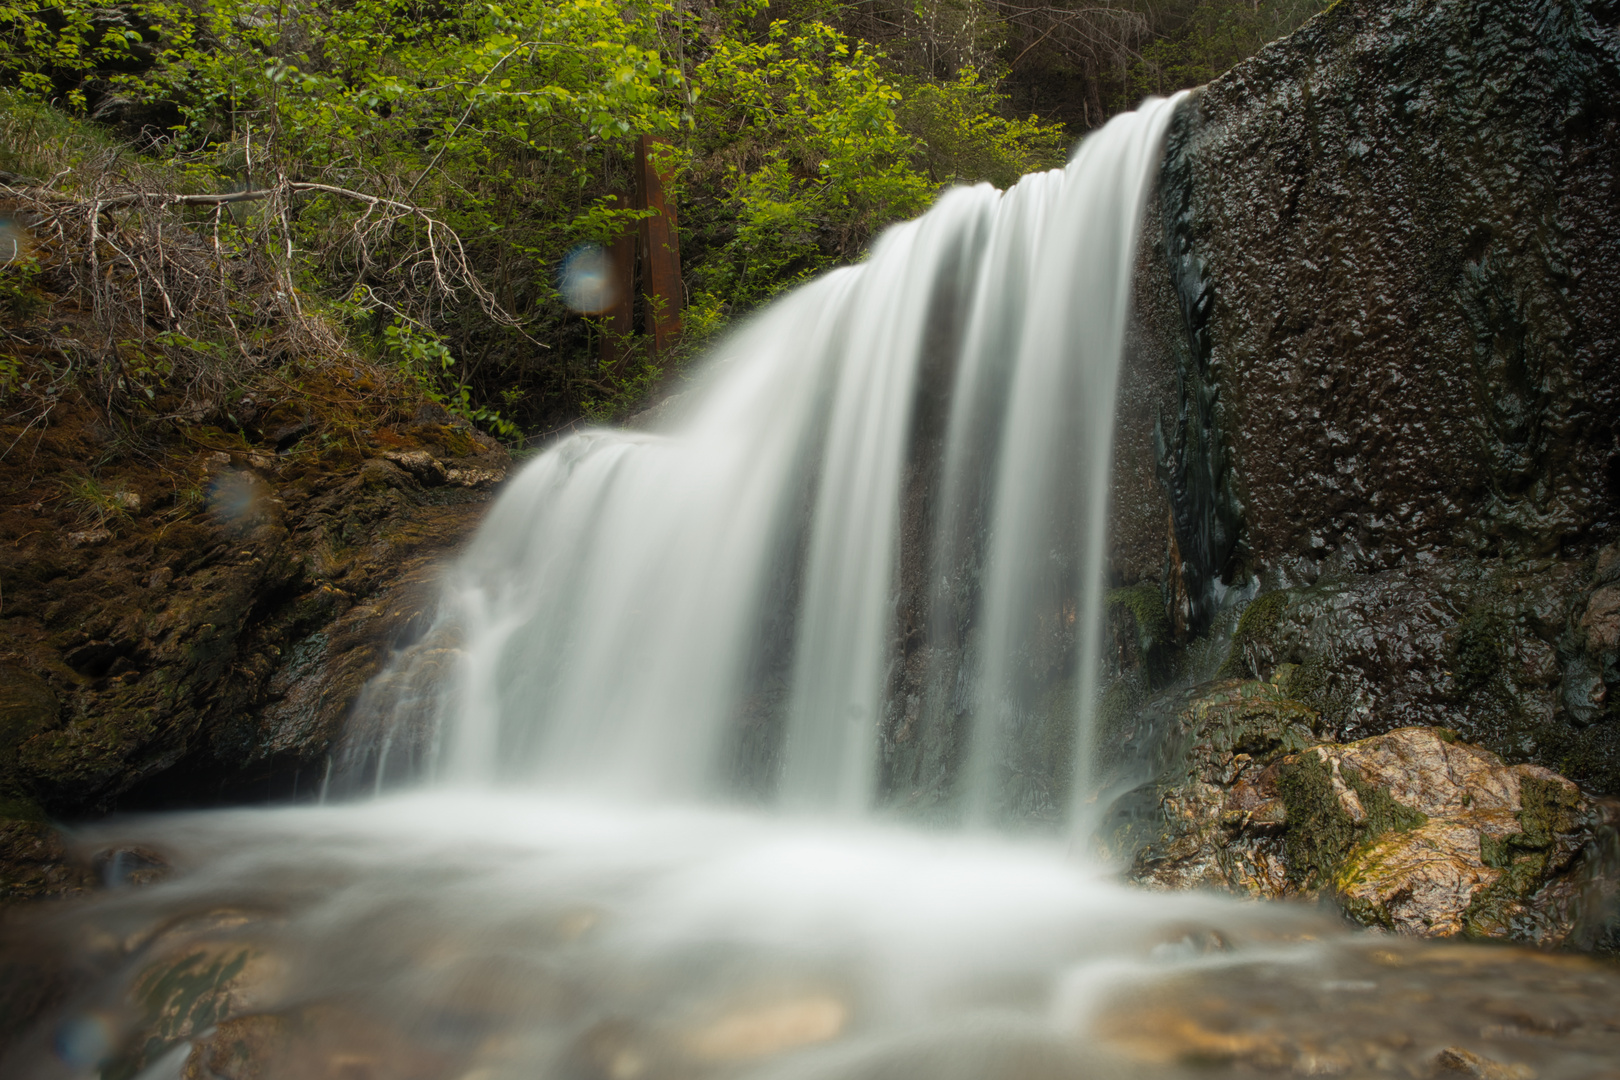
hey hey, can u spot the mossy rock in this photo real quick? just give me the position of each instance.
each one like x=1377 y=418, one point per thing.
x=1250 y=717
x=1146 y=605
x=1548 y=810
x=1321 y=835
x=28 y=706
x=1255 y=627
x=1478 y=649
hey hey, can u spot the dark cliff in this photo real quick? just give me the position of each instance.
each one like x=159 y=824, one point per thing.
x=1376 y=373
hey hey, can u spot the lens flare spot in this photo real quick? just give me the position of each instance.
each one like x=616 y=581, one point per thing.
x=587 y=283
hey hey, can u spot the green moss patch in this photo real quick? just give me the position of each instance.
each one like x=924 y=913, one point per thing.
x=1146 y=605
x=1255 y=627
x=1477 y=649
x=1320 y=834
x=1546 y=810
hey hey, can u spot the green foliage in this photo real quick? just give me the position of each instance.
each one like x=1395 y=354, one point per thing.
x=94 y=503
x=1210 y=36
x=965 y=136
x=46 y=47
x=810 y=152
x=20 y=296
x=423 y=356
x=815 y=145
x=795 y=132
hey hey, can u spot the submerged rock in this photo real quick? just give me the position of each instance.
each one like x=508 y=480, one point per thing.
x=1382 y=1009
x=1413 y=830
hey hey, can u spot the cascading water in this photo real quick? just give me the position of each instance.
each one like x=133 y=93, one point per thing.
x=634 y=597
x=899 y=468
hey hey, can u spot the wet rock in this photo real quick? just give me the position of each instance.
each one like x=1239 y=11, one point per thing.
x=763 y=1029
x=89 y=537
x=477 y=477
x=125 y=867
x=1372 y=370
x=207 y=648
x=242 y=1048
x=1454 y=1061
x=1413 y=830
x=1390 y=1008
x=28 y=706
x=1509 y=654
x=36 y=865
x=1218 y=785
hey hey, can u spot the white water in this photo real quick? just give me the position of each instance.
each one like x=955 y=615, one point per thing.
x=634 y=597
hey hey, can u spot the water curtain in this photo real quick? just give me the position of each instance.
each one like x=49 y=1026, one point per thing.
x=882 y=505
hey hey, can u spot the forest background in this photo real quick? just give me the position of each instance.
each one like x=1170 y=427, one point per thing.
x=225 y=188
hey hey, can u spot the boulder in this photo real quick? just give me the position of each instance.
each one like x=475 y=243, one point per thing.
x=1413 y=830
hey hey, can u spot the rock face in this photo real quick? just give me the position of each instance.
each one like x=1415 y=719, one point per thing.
x=1413 y=830
x=1375 y=375
x=207 y=644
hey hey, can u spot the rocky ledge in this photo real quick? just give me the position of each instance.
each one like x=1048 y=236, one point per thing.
x=1413 y=830
x=190 y=623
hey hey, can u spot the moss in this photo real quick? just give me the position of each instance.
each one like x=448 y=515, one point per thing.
x=20 y=808
x=1320 y=833
x=1254 y=718
x=1255 y=627
x=1546 y=809
x=1384 y=814
x=1312 y=683
x=1146 y=605
x=1477 y=649
x=452 y=440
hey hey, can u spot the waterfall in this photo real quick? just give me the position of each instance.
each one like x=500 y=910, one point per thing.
x=676 y=613
x=877 y=519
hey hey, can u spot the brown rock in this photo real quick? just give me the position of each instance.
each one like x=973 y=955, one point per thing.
x=474 y=476
x=1601 y=622
x=36 y=865
x=1413 y=830
x=420 y=464
x=1420 y=882
x=1455 y=1061
x=759 y=1030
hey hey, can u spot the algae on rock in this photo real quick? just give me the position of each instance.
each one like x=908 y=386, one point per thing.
x=1412 y=830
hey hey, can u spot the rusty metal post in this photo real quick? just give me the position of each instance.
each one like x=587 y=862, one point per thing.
x=660 y=249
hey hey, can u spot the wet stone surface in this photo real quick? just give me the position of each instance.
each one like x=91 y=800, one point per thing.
x=1413 y=831
x=1374 y=370
x=1381 y=1009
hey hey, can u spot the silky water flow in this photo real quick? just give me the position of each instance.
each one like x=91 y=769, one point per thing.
x=639 y=817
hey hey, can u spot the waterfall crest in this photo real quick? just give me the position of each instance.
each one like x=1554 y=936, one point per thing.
x=712 y=606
